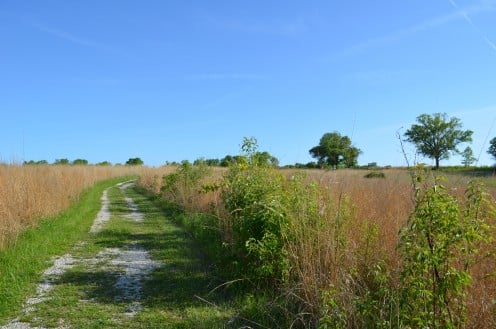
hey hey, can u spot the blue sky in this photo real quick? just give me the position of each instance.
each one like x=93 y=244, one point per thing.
x=167 y=80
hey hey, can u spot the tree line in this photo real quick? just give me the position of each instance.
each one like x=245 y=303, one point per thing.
x=83 y=162
x=435 y=136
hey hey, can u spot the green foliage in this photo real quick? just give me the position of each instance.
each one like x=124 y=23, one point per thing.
x=104 y=163
x=80 y=162
x=182 y=185
x=134 y=162
x=468 y=157
x=375 y=174
x=335 y=150
x=208 y=162
x=492 y=147
x=438 y=247
x=436 y=137
x=61 y=162
x=32 y=162
x=253 y=198
x=253 y=195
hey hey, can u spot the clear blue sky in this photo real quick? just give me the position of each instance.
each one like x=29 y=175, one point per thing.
x=168 y=80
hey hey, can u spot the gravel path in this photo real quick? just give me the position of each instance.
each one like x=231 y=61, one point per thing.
x=132 y=262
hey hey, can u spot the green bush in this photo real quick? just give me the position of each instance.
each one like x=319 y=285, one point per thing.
x=253 y=195
x=439 y=245
x=184 y=184
x=375 y=174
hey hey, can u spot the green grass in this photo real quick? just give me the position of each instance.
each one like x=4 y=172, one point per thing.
x=23 y=261
x=177 y=294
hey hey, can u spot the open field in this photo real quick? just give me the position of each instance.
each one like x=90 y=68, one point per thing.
x=330 y=241
x=297 y=248
x=31 y=193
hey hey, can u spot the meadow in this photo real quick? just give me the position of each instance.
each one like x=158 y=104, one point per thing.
x=334 y=249
x=391 y=248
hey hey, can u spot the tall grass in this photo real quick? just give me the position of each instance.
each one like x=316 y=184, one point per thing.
x=31 y=193
x=340 y=234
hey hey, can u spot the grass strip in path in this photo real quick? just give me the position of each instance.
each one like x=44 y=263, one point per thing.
x=22 y=262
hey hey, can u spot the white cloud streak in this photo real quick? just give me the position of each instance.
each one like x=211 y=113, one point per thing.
x=67 y=36
x=465 y=13
x=469 y=20
x=77 y=40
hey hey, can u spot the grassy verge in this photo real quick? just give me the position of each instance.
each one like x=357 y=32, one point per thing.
x=22 y=262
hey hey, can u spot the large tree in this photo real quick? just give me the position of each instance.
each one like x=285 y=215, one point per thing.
x=436 y=136
x=335 y=150
x=492 y=147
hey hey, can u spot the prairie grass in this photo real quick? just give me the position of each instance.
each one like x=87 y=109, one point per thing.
x=31 y=193
x=342 y=245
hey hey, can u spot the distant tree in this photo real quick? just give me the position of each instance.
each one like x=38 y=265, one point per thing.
x=492 y=147
x=208 y=162
x=213 y=162
x=437 y=136
x=104 y=163
x=32 y=162
x=134 y=162
x=312 y=165
x=265 y=158
x=335 y=150
x=61 y=162
x=80 y=162
x=468 y=157
x=227 y=160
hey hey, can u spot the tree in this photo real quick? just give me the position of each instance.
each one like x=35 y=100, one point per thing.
x=265 y=158
x=468 y=157
x=32 y=162
x=492 y=147
x=436 y=137
x=80 y=162
x=134 y=162
x=61 y=161
x=335 y=150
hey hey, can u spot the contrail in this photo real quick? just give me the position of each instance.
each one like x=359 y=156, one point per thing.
x=467 y=18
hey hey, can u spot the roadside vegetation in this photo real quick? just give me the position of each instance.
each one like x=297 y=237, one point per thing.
x=334 y=249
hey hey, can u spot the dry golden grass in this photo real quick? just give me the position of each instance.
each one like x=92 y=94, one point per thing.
x=30 y=193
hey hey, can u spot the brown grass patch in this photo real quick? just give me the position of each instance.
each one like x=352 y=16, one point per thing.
x=30 y=193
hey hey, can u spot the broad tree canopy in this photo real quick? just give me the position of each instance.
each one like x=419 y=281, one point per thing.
x=437 y=136
x=134 y=162
x=335 y=150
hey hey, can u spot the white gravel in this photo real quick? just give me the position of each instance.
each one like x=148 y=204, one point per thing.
x=103 y=215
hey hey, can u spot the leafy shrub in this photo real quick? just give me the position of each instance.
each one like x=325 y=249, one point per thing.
x=375 y=174
x=183 y=185
x=439 y=245
x=254 y=198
